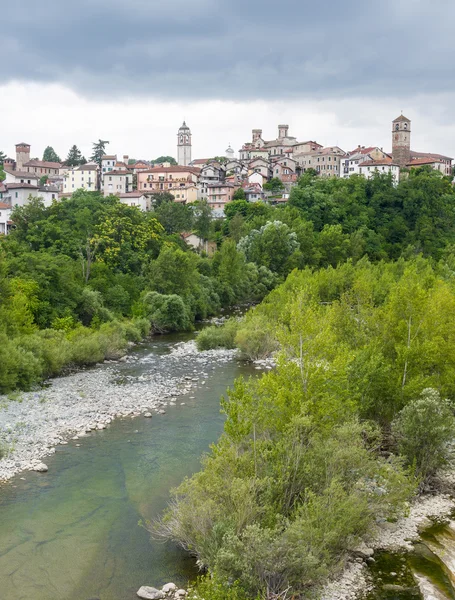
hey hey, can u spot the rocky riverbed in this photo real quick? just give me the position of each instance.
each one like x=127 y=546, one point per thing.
x=34 y=423
x=355 y=582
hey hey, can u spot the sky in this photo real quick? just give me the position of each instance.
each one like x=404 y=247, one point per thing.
x=130 y=71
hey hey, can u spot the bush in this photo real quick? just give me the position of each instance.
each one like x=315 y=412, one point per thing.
x=255 y=339
x=424 y=430
x=85 y=347
x=218 y=337
x=50 y=348
x=166 y=312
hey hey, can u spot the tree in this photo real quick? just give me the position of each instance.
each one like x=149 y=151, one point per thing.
x=275 y=185
x=164 y=159
x=74 y=158
x=271 y=246
x=202 y=218
x=159 y=198
x=99 y=150
x=49 y=155
x=2 y=157
x=424 y=430
x=239 y=194
x=174 y=216
x=43 y=179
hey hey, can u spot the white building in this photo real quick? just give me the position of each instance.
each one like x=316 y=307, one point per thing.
x=117 y=182
x=384 y=167
x=84 y=177
x=135 y=198
x=108 y=162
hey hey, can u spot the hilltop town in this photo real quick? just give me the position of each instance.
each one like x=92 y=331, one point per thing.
x=265 y=170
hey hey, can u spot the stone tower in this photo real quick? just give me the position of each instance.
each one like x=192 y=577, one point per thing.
x=184 y=145
x=229 y=153
x=401 y=140
x=22 y=155
x=283 y=131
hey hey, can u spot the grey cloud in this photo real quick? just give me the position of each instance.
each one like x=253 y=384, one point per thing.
x=235 y=49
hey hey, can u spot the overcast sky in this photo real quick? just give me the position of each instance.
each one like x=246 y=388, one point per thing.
x=130 y=71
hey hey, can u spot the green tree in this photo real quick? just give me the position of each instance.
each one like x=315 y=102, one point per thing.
x=239 y=194
x=424 y=430
x=50 y=155
x=74 y=157
x=164 y=159
x=174 y=216
x=271 y=246
x=275 y=185
x=98 y=151
x=159 y=197
x=202 y=218
x=43 y=180
x=2 y=158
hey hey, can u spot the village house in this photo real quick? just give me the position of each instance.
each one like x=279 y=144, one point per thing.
x=23 y=163
x=326 y=161
x=385 y=166
x=220 y=194
x=135 y=198
x=167 y=179
x=117 y=182
x=186 y=195
x=198 y=244
x=83 y=177
x=19 y=194
x=350 y=163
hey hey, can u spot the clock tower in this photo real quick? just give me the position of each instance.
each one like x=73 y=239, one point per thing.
x=401 y=140
x=184 y=145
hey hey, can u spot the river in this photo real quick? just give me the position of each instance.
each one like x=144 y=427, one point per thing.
x=73 y=533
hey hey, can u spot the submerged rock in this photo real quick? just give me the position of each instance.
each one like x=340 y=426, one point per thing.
x=149 y=593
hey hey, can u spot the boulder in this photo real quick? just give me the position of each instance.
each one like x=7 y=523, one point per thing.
x=169 y=587
x=148 y=415
x=180 y=593
x=40 y=468
x=150 y=593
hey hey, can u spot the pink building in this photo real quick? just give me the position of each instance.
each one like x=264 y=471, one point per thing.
x=167 y=179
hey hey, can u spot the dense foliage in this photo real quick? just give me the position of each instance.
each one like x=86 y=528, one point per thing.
x=309 y=460
x=81 y=278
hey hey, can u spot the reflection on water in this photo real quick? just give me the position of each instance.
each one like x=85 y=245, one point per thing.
x=73 y=533
x=428 y=572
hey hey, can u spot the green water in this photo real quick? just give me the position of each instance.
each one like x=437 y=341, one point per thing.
x=73 y=533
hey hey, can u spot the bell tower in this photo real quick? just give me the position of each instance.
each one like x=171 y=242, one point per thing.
x=401 y=140
x=184 y=145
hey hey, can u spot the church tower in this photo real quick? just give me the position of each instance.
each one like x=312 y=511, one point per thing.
x=401 y=140
x=184 y=145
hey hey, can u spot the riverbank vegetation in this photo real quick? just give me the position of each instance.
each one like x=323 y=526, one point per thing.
x=358 y=414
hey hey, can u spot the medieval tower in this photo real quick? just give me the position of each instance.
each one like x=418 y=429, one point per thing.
x=401 y=141
x=22 y=155
x=184 y=145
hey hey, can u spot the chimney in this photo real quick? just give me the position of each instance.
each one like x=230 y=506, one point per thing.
x=125 y=159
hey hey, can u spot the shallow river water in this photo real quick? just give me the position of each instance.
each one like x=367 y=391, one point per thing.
x=73 y=533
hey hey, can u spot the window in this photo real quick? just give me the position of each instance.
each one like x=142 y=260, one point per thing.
x=16 y=195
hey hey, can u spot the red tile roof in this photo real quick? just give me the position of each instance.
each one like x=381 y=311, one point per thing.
x=4 y=205
x=44 y=164
x=174 y=169
x=424 y=161
x=379 y=163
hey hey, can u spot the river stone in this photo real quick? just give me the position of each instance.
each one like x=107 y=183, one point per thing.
x=180 y=593
x=40 y=468
x=149 y=593
x=169 y=587
x=148 y=415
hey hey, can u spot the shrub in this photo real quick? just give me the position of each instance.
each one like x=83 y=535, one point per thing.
x=85 y=347
x=167 y=312
x=218 y=337
x=423 y=430
x=255 y=339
